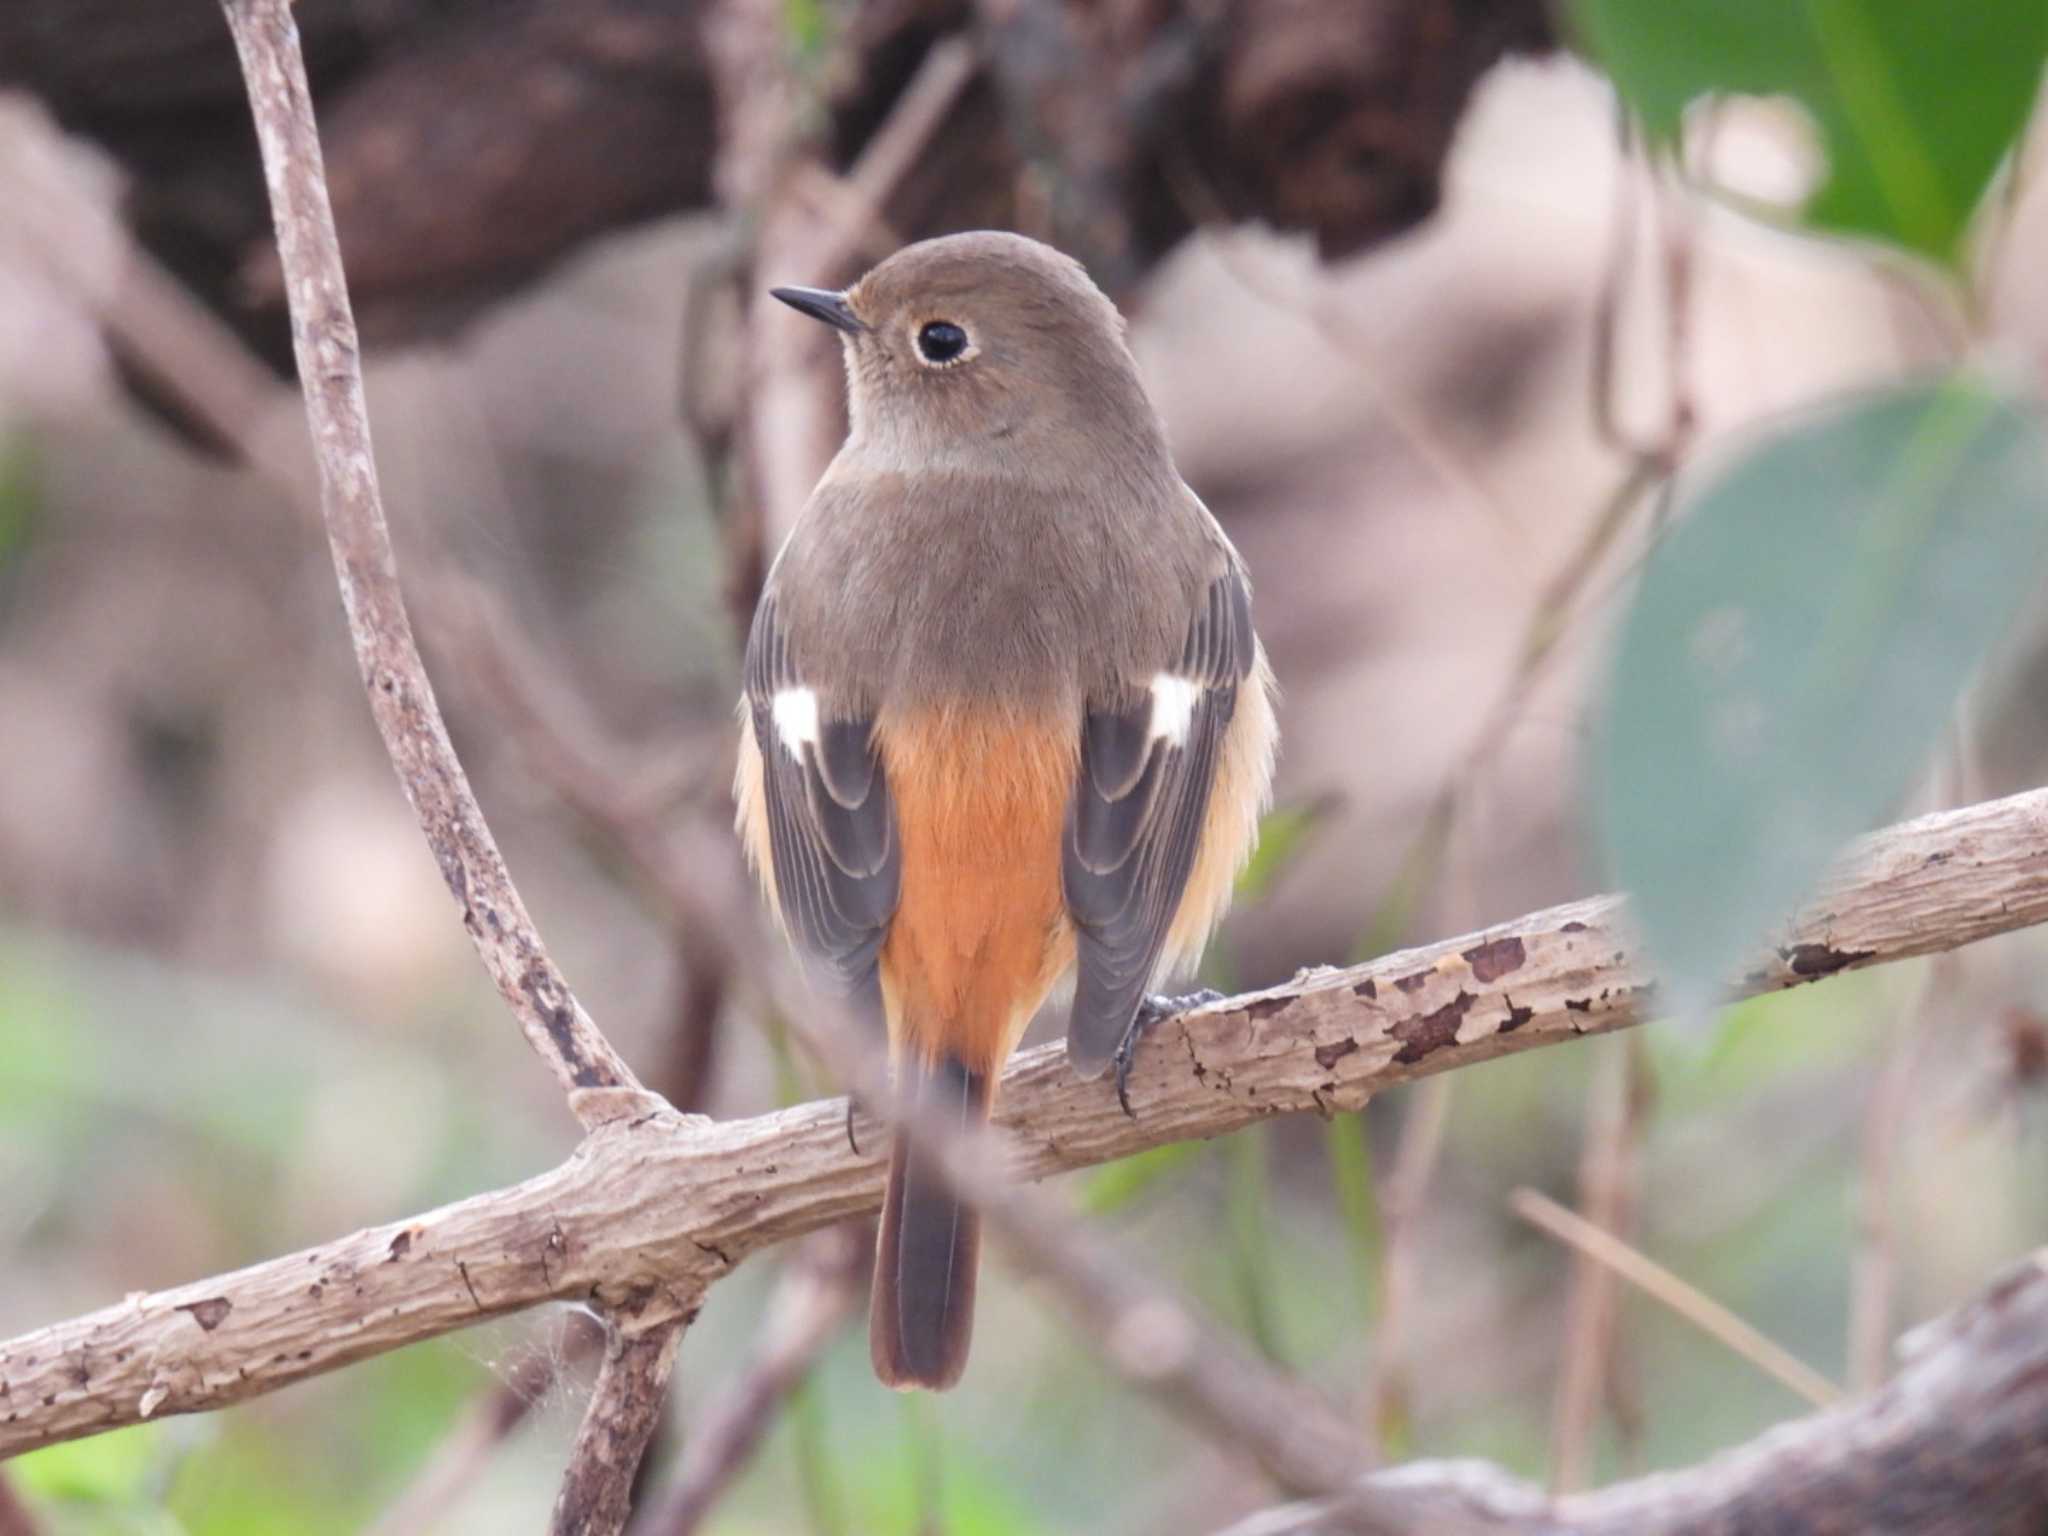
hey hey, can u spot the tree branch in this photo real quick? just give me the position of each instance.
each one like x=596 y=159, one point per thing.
x=625 y=1408
x=15 y=1519
x=811 y=1303
x=652 y=1208
x=642 y=1337
x=1956 y=1445
x=401 y=698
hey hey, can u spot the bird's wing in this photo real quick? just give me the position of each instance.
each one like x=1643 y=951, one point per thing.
x=1140 y=803
x=831 y=826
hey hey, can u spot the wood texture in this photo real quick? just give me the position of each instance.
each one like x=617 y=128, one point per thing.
x=1955 y=1445
x=654 y=1206
x=401 y=697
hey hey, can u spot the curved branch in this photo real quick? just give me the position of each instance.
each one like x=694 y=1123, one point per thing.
x=1957 y=1442
x=641 y=1340
x=651 y=1209
x=401 y=698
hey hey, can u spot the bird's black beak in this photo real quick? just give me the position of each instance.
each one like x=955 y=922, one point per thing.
x=822 y=304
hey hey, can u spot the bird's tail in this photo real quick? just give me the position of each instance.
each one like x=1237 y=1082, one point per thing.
x=930 y=1244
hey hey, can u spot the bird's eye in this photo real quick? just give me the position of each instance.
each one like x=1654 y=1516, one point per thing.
x=941 y=341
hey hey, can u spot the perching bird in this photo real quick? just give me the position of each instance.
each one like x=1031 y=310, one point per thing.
x=1005 y=718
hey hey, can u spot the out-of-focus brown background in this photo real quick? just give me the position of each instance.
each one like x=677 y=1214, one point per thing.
x=237 y=1014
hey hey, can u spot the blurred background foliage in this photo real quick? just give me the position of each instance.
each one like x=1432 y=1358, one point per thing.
x=236 y=1016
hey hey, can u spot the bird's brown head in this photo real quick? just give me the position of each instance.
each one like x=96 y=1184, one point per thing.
x=986 y=345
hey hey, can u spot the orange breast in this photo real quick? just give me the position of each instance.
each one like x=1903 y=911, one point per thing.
x=980 y=934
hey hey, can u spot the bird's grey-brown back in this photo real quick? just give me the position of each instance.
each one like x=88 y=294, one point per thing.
x=997 y=514
x=1006 y=715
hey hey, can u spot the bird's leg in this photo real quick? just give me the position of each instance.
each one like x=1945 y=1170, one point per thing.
x=1151 y=1009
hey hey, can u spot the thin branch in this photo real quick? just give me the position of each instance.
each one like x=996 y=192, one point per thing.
x=1607 y=1198
x=1638 y=165
x=624 y=1411
x=1610 y=292
x=401 y=698
x=1562 y=602
x=1431 y=442
x=790 y=415
x=683 y=1078
x=812 y=1303
x=1702 y=1311
x=652 y=1208
x=643 y=1335
x=1387 y=1394
x=1237 y=1400
x=1563 y=599
x=1955 y=1445
x=15 y=1519
x=1874 y=1256
x=465 y=1451
x=892 y=152
x=687 y=866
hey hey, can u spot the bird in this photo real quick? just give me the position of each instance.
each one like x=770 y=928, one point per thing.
x=1006 y=728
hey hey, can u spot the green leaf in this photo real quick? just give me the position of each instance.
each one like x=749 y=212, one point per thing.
x=1795 y=648
x=1916 y=103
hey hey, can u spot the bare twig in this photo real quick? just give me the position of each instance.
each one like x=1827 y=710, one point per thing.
x=644 y=1332
x=787 y=424
x=1635 y=166
x=1561 y=602
x=652 y=1209
x=1239 y=1402
x=1236 y=1399
x=790 y=414
x=1874 y=1257
x=812 y=1302
x=1563 y=599
x=625 y=1408
x=1431 y=442
x=1702 y=1311
x=15 y=1519
x=1387 y=1396
x=1607 y=1199
x=401 y=698
x=1610 y=291
x=463 y=1453
x=891 y=152
x=219 y=385
x=1955 y=1445
x=497 y=1412
x=689 y=867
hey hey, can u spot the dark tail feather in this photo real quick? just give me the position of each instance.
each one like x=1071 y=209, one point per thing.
x=930 y=1244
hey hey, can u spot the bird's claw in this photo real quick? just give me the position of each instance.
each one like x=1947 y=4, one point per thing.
x=1151 y=1009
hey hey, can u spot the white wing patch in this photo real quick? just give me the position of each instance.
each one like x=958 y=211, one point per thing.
x=1173 y=708
x=796 y=718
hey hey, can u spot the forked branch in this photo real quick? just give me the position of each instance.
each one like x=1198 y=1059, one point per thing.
x=652 y=1208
